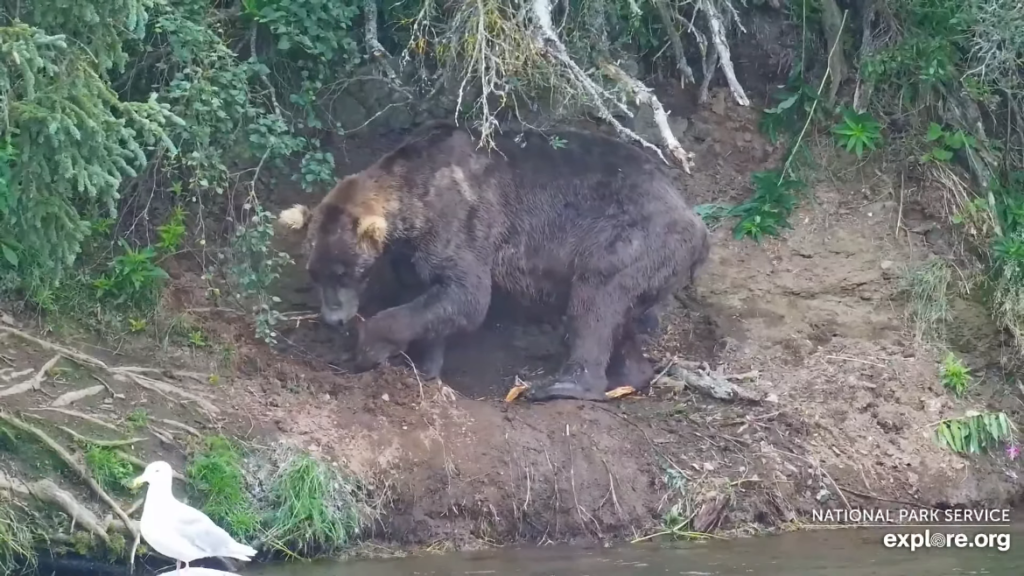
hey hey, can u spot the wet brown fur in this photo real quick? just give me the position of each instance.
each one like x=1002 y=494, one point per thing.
x=597 y=225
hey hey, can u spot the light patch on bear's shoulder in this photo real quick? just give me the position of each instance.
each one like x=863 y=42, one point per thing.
x=451 y=177
x=294 y=217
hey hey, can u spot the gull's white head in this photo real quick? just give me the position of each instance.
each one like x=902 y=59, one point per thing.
x=158 y=472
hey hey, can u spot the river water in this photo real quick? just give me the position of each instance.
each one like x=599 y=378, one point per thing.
x=845 y=552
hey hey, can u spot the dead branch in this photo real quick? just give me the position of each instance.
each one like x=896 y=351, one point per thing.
x=70 y=460
x=715 y=384
x=710 y=63
x=668 y=20
x=374 y=48
x=717 y=26
x=76 y=395
x=550 y=44
x=832 y=25
x=711 y=512
x=646 y=95
x=33 y=382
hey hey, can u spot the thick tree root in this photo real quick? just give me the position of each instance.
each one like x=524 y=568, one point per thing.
x=131 y=374
x=699 y=377
x=47 y=492
x=72 y=463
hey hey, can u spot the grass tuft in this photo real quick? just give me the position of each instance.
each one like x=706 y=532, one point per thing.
x=16 y=550
x=215 y=474
x=955 y=377
x=926 y=287
x=314 y=510
x=112 y=470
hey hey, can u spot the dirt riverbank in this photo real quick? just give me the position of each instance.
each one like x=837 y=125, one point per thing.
x=845 y=397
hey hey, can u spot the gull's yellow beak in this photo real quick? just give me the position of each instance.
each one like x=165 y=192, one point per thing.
x=138 y=481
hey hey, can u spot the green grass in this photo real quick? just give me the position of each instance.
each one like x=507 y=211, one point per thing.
x=16 y=550
x=313 y=508
x=112 y=470
x=214 y=473
x=955 y=377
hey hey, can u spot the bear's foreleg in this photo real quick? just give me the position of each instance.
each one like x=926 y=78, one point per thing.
x=458 y=302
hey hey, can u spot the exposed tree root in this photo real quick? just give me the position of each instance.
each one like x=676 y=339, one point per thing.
x=668 y=20
x=33 y=382
x=48 y=492
x=717 y=25
x=96 y=442
x=131 y=373
x=76 y=395
x=699 y=377
x=86 y=417
x=72 y=463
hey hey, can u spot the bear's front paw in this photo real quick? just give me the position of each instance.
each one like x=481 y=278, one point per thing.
x=376 y=345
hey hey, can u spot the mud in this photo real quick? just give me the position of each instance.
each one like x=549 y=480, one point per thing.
x=850 y=397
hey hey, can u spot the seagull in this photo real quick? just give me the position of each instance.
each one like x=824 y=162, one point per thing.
x=177 y=530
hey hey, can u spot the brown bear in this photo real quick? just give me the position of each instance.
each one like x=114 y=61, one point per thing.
x=597 y=224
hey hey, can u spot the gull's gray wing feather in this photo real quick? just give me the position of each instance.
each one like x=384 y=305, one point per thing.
x=199 y=531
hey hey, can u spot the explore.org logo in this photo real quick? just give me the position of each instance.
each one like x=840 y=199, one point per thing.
x=928 y=539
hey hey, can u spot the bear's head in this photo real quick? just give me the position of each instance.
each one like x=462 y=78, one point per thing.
x=345 y=234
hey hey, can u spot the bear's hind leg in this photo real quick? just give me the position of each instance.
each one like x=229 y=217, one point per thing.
x=628 y=366
x=594 y=319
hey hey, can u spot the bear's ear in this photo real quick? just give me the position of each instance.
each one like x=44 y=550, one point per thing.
x=371 y=231
x=295 y=217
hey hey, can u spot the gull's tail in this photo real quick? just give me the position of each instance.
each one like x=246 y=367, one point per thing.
x=240 y=552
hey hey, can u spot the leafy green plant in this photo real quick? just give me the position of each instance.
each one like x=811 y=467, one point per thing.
x=955 y=377
x=975 y=433
x=255 y=267
x=137 y=418
x=945 y=144
x=133 y=278
x=796 y=102
x=768 y=210
x=857 y=131
x=712 y=214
